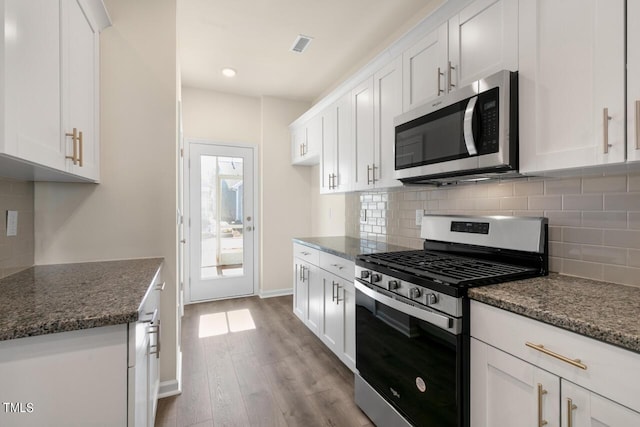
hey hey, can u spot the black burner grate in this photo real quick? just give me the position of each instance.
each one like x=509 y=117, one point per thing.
x=452 y=269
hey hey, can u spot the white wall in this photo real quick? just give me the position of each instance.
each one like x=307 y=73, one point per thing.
x=285 y=203
x=131 y=213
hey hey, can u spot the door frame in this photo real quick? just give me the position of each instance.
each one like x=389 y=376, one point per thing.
x=187 y=215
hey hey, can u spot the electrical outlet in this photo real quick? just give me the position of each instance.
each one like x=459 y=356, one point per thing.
x=12 y=223
x=419 y=215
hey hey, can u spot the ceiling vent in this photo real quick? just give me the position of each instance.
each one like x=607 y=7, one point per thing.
x=301 y=43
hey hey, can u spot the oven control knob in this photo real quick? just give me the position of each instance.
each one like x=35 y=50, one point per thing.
x=364 y=274
x=432 y=299
x=393 y=284
x=415 y=293
x=376 y=278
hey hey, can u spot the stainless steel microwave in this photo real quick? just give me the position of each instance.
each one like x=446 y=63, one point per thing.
x=468 y=134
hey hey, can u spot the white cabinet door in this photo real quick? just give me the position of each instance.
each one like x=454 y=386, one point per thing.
x=571 y=84
x=328 y=160
x=31 y=82
x=633 y=80
x=348 y=312
x=483 y=39
x=80 y=88
x=332 y=331
x=581 y=408
x=315 y=297
x=387 y=104
x=300 y=290
x=506 y=391
x=424 y=65
x=365 y=168
x=344 y=145
x=298 y=144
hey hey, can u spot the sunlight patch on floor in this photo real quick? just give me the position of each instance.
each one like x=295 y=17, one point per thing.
x=222 y=323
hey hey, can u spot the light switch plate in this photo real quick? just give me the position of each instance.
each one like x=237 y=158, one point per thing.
x=419 y=215
x=12 y=223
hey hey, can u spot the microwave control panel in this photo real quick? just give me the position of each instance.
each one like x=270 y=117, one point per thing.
x=488 y=112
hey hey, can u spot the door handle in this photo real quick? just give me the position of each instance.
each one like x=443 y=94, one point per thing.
x=541 y=392
x=440 y=90
x=605 y=129
x=638 y=125
x=451 y=67
x=468 y=127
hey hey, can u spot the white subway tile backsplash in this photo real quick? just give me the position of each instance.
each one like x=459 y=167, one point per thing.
x=622 y=202
x=624 y=275
x=604 y=184
x=563 y=218
x=622 y=238
x=590 y=270
x=594 y=222
x=604 y=219
x=563 y=186
x=589 y=236
x=500 y=189
x=545 y=202
x=528 y=188
x=514 y=203
x=604 y=254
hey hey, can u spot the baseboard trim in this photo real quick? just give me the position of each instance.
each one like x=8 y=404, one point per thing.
x=172 y=387
x=276 y=293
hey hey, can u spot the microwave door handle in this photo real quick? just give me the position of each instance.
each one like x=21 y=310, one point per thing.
x=468 y=127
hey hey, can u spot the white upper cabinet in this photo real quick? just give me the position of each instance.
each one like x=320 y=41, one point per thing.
x=424 y=65
x=305 y=144
x=477 y=42
x=483 y=39
x=633 y=80
x=328 y=159
x=571 y=84
x=80 y=84
x=387 y=104
x=51 y=86
x=31 y=83
x=362 y=106
x=344 y=144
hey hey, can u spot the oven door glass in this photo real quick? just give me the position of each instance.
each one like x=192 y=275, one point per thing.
x=415 y=366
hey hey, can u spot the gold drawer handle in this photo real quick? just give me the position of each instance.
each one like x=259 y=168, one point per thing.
x=541 y=392
x=573 y=362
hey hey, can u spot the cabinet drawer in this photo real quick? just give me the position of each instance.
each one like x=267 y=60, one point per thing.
x=610 y=371
x=306 y=253
x=339 y=266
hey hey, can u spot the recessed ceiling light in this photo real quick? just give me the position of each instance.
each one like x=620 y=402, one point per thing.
x=228 y=72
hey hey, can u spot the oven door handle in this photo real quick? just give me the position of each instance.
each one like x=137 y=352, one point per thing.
x=469 y=141
x=439 y=320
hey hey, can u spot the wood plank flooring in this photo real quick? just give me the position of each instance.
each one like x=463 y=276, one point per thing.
x=278 y=374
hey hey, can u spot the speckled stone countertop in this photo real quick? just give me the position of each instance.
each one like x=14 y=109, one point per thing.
x=599 y=310
x=67 y=297
x=347 y=247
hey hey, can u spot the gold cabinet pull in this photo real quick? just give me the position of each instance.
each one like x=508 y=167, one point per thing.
x=638 y=125
x=570 y=408
x=81 y=146
x=541 y=392
x=605 y=126
x=574 y=362
x=74 y=139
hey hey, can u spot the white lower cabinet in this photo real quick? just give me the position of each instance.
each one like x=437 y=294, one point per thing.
x=324 y=299
x=515 y=384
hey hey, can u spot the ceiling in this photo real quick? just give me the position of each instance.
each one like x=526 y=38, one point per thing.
x=255 y=37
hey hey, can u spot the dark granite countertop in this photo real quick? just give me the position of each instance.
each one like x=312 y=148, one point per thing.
x=66 y=297
x=604 y=311
x=347 y=247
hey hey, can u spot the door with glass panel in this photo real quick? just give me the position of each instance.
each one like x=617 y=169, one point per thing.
x=221 y=225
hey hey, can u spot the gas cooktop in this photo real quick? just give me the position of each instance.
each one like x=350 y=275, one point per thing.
x=451 y=269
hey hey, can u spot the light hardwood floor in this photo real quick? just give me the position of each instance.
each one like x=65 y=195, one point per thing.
x=278 y=374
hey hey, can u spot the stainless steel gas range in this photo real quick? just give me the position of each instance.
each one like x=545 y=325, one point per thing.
x=412 y=314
